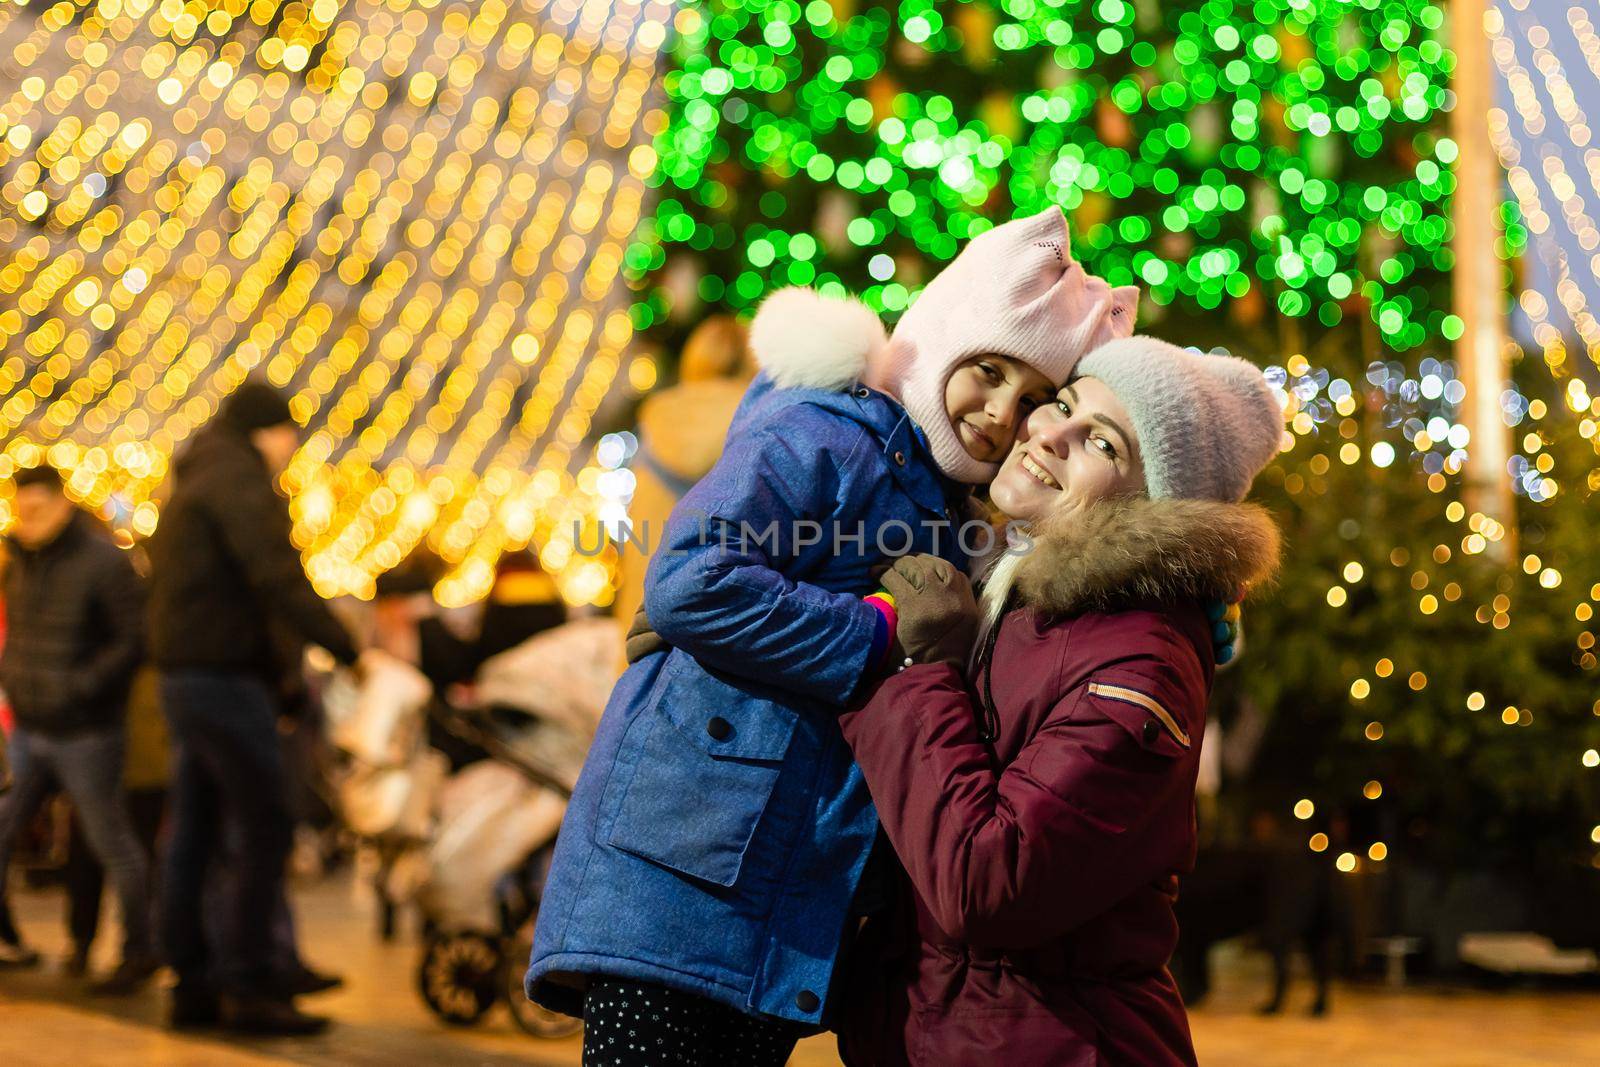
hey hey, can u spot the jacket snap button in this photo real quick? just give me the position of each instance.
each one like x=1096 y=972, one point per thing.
x=1152 y=730
x=719 y=728
x=900 y=458
x=861 y=392
x=807 y=1001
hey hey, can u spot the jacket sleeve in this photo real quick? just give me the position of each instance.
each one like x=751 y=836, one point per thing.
x=118 y=598
x=717 y=589
x=254 y=522
x=1014 y=857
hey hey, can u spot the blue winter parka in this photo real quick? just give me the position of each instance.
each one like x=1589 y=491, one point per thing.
x=720 y=828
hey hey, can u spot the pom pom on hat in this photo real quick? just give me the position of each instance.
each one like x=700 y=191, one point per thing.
x=1206 y=424
x=805 y=340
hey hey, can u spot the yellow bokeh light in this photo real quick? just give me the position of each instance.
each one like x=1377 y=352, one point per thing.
x=525 y=348
x=642 y=374
x=223 y=178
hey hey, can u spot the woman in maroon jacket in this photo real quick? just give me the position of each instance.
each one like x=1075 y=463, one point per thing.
x=1044 y=813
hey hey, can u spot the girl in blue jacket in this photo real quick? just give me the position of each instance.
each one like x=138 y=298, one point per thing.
x=710 y=857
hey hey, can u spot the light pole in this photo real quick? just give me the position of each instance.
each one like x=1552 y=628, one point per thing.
x=1478 y=285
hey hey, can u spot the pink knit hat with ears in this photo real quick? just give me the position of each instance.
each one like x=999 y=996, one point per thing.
x=1014 y=290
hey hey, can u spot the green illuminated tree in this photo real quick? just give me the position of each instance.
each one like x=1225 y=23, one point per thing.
x=1412 y=644
x=1283 y=159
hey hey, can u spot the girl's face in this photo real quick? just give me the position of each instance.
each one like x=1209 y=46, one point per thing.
x=1070 y=453
x=987 y=397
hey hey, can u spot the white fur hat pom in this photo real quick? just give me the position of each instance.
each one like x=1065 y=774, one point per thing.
x=804 y=340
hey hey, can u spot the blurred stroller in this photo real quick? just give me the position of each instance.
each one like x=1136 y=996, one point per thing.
x=471 y=850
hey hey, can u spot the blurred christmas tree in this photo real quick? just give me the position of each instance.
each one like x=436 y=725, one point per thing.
x=1283 y=158
x=1276 y=176
x=1426 y=675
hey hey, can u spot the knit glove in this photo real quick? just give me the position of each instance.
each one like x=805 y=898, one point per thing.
x=938 y=615
x=642 y=639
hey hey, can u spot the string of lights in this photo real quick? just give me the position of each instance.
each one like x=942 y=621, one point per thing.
x=411 y=214
x=1551 y=144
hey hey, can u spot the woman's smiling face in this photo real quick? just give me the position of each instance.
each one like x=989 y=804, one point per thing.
x=987 y=397
x=1072 y=452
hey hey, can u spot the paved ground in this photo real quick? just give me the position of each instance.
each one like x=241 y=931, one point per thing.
x=46 y=1020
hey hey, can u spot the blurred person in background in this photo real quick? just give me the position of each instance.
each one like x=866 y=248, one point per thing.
x=224 y=572
x=74 y=604
x=409 y=624
x=523 y=601
x=145 y=774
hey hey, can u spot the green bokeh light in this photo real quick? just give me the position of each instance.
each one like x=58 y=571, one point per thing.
x=1284 y=154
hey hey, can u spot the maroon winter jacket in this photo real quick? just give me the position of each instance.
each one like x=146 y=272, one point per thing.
x=1037 y=920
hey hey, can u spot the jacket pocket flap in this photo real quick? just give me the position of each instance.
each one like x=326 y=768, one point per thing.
x=1143 y=714
x=708 y=758
x=727 y=717
x=687 y=810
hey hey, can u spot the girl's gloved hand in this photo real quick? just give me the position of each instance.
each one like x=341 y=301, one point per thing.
x=642 y=639
x=938 y=615
x=1227 y=627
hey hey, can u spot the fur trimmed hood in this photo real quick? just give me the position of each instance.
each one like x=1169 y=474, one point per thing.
x=805 y=340
x=1140 y=550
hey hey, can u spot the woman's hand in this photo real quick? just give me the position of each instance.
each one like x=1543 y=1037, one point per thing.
x=938 y=615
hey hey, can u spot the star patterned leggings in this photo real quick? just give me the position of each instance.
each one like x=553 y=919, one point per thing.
x=627 y=1023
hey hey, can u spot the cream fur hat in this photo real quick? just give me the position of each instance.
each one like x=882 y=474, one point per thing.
x=1014 y=290
x=1206 y=425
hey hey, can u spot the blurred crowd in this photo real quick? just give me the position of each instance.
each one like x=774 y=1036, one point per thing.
x=186 y=720
x=160 y=732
